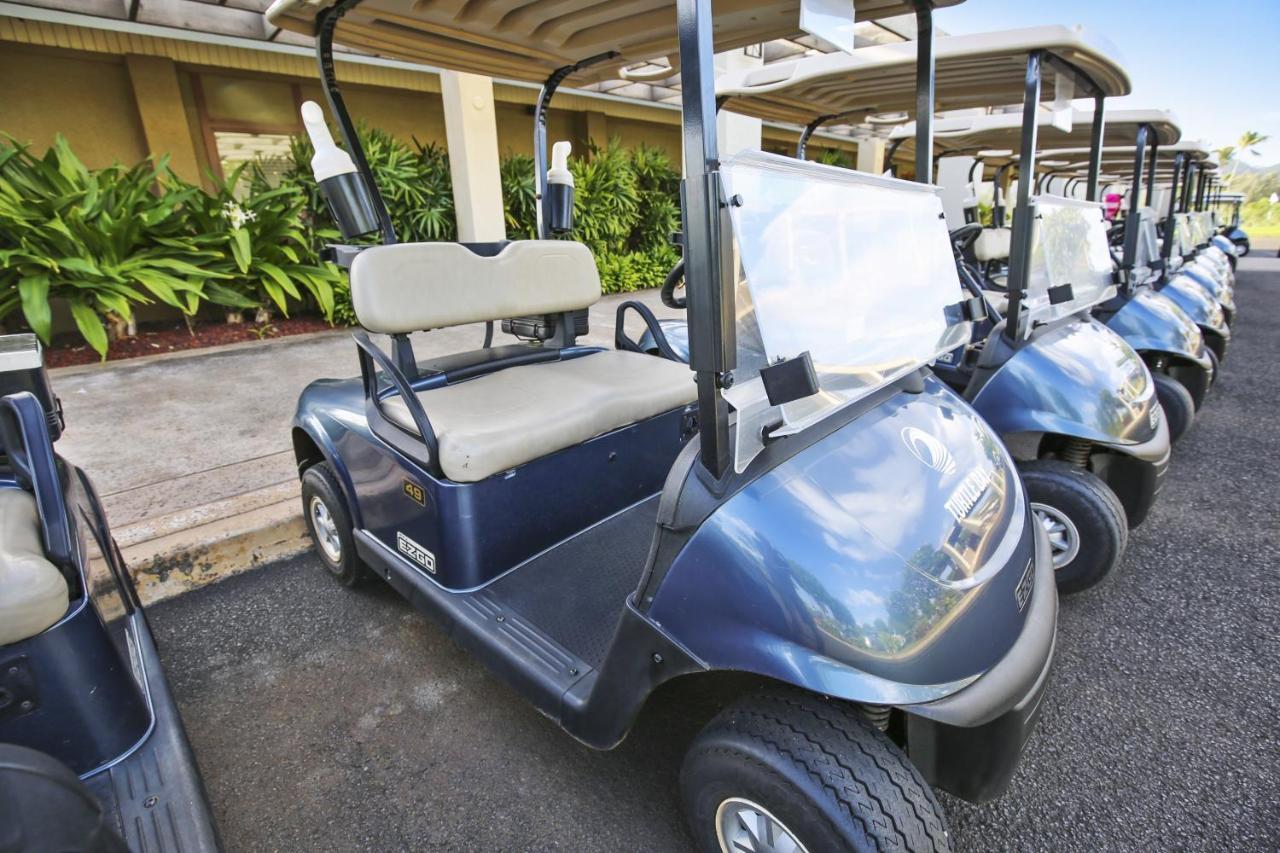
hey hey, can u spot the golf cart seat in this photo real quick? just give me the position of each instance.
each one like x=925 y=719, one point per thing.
x=993 y=244
x=33 y=593
x=502 y=419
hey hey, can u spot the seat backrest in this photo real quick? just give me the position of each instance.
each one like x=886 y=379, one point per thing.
x=407 y=287
x=992 y=244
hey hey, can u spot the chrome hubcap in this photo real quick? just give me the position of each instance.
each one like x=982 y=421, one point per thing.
x=1064 y=539
x=744 y=827
x=326 y=530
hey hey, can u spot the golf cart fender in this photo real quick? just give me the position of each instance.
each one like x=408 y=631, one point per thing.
x=314 y=422
x=1216 y=289
x=1077 y=379
x=1150 y=322
x=1197 y=305
x=852 y=569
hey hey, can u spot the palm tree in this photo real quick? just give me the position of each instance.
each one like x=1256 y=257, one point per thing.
x=1249 y=140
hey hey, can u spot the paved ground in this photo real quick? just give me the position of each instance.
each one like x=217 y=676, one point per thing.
x=330 y=720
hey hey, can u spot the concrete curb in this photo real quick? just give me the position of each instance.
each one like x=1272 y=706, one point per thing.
x=186 y=550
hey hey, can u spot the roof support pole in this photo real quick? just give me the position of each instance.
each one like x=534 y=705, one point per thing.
x=471 y=129
x=802 y=144
x=1170 y=219
x=1024 y=213
x=326 y=23
x=707 y=254
x=926 y=84
x=1095 y=146
x=1131 y=230
x=1151 y=167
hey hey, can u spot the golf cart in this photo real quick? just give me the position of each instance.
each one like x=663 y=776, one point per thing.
x=1092 y=469
x=828 y=534
x=93 y=755
x=1168 y=340
x=1232 y=231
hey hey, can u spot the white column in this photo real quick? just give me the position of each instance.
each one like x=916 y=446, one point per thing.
x=471 y=128
x=871 y=155
x=735 y=132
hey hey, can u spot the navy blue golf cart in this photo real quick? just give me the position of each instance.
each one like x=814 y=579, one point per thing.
x=93 y=755
x=802 y=517
x=1167 y=339
x=1075 y=404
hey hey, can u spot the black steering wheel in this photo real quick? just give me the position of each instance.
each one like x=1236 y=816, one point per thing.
x=673 y=280
x=964 y=236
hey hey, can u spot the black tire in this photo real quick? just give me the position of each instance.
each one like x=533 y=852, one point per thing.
x=1101 y=531
x=831 y=779
x=1215 y=364
x=320 y=484
x=1178 y=404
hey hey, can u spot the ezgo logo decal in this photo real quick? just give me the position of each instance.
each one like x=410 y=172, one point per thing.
x=416 y=552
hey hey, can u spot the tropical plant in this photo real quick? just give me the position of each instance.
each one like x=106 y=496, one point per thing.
x=261 y=248
x=104 y=240
x=657 y=199
x=1247 y=144
x=519 y=199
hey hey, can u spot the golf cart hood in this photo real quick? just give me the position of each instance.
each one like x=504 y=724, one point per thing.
x=1076 y=378
x=1196 y=304
x=890 y=561
x=1205 y=276
x=1152 y=322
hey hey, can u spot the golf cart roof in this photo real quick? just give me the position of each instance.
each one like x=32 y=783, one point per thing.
x=1003 y=131
x=981 y=70
x=528 y=39
x=1229 y=198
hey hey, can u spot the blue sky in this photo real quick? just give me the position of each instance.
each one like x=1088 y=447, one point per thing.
x=1216 y=65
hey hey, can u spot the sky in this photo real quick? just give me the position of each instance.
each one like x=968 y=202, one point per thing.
x=1216 y=65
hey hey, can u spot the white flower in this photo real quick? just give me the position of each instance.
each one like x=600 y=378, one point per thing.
x=237 y=215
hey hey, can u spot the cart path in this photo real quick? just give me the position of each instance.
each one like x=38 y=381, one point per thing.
x=325 y=719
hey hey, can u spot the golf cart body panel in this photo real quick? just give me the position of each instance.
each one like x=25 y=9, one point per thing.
x=813 y=575
x=1050 y=385
x=88 y=690
x=1152 y=322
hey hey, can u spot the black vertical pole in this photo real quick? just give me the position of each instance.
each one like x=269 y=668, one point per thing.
x=925 y=85
x=1095 y=146
x=326 y=23
x=1151 y=166
x=1023 y=215
x=1131 y=230
x=1166 y=246
x=712 y=344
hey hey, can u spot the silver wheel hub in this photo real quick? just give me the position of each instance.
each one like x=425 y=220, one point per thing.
x=1064 y=538
x=326 y=530
x=745 y=827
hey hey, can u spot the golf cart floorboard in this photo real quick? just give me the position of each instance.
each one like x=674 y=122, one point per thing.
x=574 y=593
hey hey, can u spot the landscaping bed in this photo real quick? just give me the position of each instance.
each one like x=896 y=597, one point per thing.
x=71 y=349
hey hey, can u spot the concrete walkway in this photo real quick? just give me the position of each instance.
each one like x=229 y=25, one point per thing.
x=190 y=451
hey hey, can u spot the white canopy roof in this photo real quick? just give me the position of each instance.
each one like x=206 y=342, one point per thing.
x=528 y=39
x=971 y=134
x=982 y=70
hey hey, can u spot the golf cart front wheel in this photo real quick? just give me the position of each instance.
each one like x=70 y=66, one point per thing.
x=1178 y=404
x=1083 y=518
x=329 y=524
x=791 y=771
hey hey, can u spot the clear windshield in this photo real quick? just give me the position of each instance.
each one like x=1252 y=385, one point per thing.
x=1186 y=242
x=1148 y=244
x=1202 y=226
x=1070 y=248
x=855 y=269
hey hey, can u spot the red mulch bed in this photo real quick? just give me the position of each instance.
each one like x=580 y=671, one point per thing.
x=71 y=349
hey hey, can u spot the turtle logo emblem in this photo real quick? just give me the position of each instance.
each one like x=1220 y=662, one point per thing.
x=928 y=450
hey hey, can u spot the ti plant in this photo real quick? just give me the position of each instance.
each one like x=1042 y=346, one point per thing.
x=261 y=247
x=104 y=240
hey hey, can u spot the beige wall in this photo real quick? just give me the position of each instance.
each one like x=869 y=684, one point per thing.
x=86 y=97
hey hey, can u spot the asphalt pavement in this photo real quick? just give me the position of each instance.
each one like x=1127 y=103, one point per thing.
x=325 y=719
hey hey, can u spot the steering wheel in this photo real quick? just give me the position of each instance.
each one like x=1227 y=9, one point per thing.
x=674 y=279
x=964 y=236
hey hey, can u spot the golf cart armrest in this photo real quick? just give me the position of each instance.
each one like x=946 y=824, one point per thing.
x=622 y=342
x=371 y=357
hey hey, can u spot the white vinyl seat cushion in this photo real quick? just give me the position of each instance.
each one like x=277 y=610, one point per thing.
x=502 y=420
x=33 y=593
x=993 y=244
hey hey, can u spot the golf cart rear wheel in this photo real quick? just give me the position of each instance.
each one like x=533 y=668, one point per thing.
x=1083 y=518
x=1178 y=404
x=791 y=771
x=1215 y=364
x=330 y=525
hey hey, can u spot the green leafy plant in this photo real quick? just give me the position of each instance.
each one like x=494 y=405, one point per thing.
x=104 y=240
x=264 y=254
